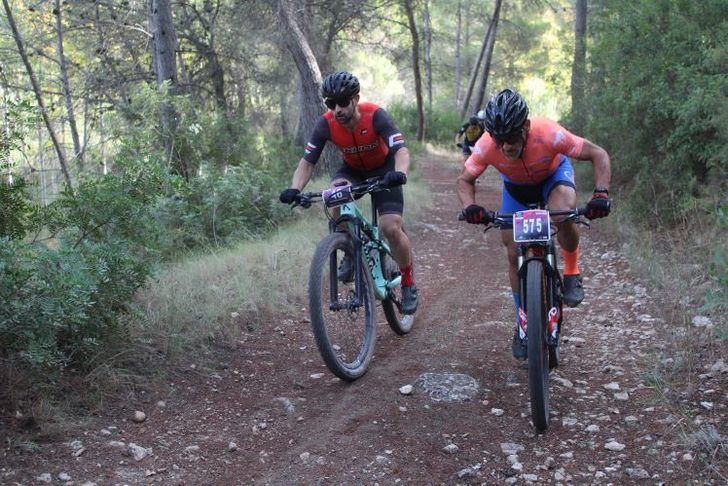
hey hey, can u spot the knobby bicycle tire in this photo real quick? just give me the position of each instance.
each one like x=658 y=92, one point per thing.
x=538 y=366
x=333 y=330
x=400 y=323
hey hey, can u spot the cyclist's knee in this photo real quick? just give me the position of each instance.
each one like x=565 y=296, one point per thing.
x=562 y=197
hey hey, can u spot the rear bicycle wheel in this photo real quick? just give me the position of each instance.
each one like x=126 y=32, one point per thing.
x=400 y=323
x=538 y=355
x=342 y=314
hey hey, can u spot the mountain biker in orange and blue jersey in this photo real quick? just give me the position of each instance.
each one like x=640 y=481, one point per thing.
x=372 y=146
x=532 y=158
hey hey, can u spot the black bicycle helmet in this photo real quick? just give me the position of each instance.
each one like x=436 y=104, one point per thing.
x=506 y=113
x=341 y=85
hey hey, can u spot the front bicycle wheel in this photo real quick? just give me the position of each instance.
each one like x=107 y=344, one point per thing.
x=392 y=305
x=538 y=355
x=342 y=313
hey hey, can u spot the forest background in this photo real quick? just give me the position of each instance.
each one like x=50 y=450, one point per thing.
x=139 y=137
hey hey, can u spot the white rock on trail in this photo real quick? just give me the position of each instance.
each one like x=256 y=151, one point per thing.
x=613 y=445
x=451 y=448
x=139 y=452
x=613 y=386
x=139 y=417
x=510 y=448
x=406 y=389
x=702 y=321
x=496 y=411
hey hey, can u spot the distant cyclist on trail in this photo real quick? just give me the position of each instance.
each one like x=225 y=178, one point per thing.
x=531 y=156
x=372 y=146
x=470 y=133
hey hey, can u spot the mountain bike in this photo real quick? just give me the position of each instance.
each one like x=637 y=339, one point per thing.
x=540 y=317
x=343 y=316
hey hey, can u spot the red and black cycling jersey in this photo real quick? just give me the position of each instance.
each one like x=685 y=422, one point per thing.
x=367 y=147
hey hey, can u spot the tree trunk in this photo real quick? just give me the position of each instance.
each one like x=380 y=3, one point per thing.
x=492 y=29
x=428 y=53
x=474 y=75
x=164 y=47
x=308 y=69
x=458 y=60
x=416 y=68
x=578 y=70
x=38 y=95
x=66 y=87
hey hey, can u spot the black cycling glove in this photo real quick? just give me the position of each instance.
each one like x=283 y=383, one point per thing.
x=394 y=178
x=475 y=214
x=599 y=205
x=289 y=195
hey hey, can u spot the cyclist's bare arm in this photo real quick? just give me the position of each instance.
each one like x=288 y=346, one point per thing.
x=402 y=160
x=466 y=188
x=302 y=175
x=600 y=161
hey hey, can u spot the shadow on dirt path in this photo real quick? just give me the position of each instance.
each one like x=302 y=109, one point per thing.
x=271 y=413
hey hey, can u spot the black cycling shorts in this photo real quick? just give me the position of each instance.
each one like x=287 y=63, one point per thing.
x=390 y=201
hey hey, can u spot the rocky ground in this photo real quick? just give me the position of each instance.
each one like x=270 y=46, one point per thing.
x=269 y=412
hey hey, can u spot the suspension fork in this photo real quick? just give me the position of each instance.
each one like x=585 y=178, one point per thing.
x=354 y=231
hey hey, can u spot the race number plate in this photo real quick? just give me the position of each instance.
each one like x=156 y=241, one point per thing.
x=336 y=196
x=531 y=225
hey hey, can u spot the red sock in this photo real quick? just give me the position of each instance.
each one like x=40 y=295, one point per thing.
x=407 y=279
x=571 y=261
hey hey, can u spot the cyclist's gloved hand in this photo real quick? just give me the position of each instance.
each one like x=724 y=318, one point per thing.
x=394 y=178
x=475 y=214
x=599 y=205
x=289 y=195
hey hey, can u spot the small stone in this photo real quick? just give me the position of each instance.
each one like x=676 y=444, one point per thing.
x=451 y=448
x=637 y=473
x=687 y=457
x=304 y=456
x=569 y=421
x=105 y=432
x=613 y=386
x=702 y=321
x=406 y=389
x=496 y=411
x=161 y=404
x=592 y=428
x=509 y=448
x=631 y=419
x=44 y=478
x=707 y=405
x=614 y=446
x=64 y=477
x=469 y=472
x=139 y=417
x=139 y=452
x=232 y=447
x=623 y=396
x=191 y=449
x=550 y=462
x=529 y=477
x=317 y=376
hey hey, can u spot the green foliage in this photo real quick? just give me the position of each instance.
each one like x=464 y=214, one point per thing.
x=62 y=300
x=440 y=126
x=14 y=209
x=659 y=102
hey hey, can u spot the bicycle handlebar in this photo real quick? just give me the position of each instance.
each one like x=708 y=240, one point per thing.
x=505 y=220
x=374 y=184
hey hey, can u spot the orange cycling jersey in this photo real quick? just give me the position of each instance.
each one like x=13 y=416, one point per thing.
x=547 y=141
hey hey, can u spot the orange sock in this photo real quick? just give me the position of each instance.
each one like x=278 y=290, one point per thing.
x=571 y=261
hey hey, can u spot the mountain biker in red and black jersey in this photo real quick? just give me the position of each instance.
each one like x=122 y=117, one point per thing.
x=372 y=146
x=531 y=156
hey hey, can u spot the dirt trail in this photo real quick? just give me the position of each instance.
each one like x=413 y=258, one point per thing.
x=291 y=422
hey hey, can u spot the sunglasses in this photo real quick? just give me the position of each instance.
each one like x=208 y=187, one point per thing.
x=331 y=102
x=510 y=139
